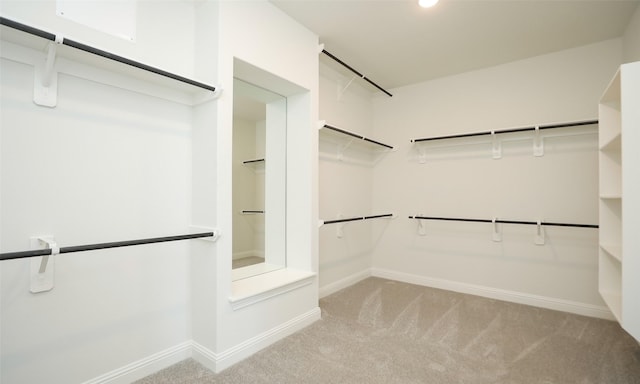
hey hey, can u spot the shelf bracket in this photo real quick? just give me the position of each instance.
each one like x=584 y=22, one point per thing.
x=422 y=228
x=497 y=234
x=422 y=155
x=342 y=90
x=42 y=268
x=496 y=146
x=342 y=149
x=340 y=228
x=539 y=239
x=538 y=143
x=45 y=85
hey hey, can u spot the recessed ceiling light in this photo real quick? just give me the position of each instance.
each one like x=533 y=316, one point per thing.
x=427 y=3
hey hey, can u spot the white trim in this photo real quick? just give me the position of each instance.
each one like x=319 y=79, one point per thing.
x=146 y=366
x=348 y=281
x=219 y=361
x=261 y=287
x=213 y=361
x=499 y=294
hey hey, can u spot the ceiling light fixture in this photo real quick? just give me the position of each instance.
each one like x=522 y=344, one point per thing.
x=427 y=3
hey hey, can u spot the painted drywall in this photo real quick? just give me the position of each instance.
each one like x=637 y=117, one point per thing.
x=631 y=39
x=345 y=178
x=464 y=181
x=105 y=164
x=254 y=32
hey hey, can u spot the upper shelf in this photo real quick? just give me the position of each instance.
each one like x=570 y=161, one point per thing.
x=510 y=130
x=356 y=135
x=38 y=40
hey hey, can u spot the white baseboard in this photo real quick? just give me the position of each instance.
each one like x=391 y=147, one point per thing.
x=214 y=361
x=499 y=294
x=348 y=281
x=144 y=367
x=253 y=345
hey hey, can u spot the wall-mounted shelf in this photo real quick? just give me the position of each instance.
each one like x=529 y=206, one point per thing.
x=343 y=221
x=360 y=75
x=56 y=53
x=255 y=164
x=496 y=137
x=619 y=207
x=356 y=143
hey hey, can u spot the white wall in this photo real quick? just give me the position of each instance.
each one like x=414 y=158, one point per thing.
x=106 y=164
x=464 y=181
x=254 y=32
x=346 y=178
x=631 y=39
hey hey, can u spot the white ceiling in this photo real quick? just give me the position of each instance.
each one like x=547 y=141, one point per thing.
x=395 y=42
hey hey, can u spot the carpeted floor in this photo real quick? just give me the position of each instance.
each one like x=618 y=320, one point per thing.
x=381 y=331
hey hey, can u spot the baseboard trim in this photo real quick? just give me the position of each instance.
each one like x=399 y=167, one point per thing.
x=214 y=361
x=249 y=347
x=220 y=361
x=344 y=283
x=146 y=366
x=499 y=294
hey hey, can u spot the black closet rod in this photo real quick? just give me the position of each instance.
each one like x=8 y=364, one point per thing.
x=505 y=221
x=101 y=53
x=357 y=136
x=357 y=218
x=511 y=130
x=356 y=72
x=93 y=247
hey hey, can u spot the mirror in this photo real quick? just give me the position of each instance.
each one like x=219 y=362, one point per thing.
x=259 y=180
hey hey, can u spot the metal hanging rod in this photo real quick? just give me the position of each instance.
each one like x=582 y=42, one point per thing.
x=356 y=136
x=357 y=218
x=101 y=53
x=250 y=212
x=93 y=247
x=511 y=130
x=253 y=161
x=356 y=72
x=501 y=221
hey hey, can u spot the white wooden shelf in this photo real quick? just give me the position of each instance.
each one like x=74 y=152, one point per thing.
x=619 y=206
x=614 y=250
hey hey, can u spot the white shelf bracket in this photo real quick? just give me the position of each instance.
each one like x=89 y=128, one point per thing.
x=342 y=149
x=538 y=143
x=340 y=227
x=422 y=155
x=342 y=90
x=320 y=48
x=496 y=146
x=42 y=268
x=539 y=240
x=497 y=234
x=422 y=228
x=45 y=85
x=200 y=229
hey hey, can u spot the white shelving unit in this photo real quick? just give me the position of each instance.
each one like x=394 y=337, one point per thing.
x=619 y=136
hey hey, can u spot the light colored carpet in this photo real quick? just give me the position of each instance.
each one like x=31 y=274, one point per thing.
x=381 y=331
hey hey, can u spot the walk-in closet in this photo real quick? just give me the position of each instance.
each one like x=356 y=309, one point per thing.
x=274 y=191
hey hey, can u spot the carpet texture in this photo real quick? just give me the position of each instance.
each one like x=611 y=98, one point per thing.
x=381 y=331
